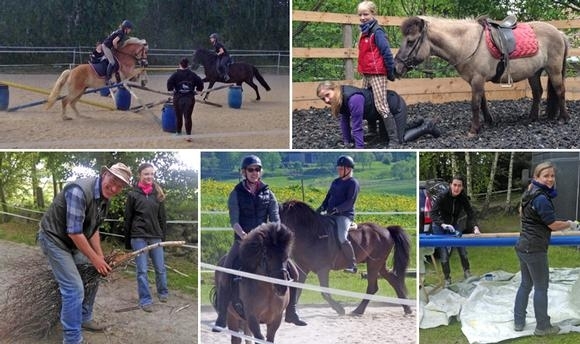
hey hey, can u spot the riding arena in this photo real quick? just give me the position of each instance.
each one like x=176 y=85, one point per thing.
x=145 y=118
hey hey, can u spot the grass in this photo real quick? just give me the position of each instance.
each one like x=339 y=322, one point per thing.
x=26 y=234
x=485 y=259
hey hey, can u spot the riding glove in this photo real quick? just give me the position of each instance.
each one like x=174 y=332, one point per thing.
x=448 y=228
x=574 y=225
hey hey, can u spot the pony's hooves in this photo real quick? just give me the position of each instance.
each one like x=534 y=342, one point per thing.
x=471 y=135
x=356 y=313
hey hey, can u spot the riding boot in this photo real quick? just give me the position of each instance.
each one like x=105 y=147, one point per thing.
x=348 y=253
x=428 y=127
x=415 y=123
x=372 y=127
x=446 y=270
x=223 y=300
x=391 y=127
x=291 y=315
x=110 y=68
x=118 y=77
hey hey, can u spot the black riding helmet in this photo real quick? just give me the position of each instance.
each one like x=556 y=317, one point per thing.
x=127 y=24
x=251 y=160
x=345 y=160
x=214 y=35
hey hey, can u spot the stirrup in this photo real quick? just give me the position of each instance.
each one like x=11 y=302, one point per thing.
x=352 y=269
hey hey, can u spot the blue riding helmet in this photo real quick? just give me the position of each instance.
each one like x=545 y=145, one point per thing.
x=251 y=160
x=345 y=160
x=126 y=24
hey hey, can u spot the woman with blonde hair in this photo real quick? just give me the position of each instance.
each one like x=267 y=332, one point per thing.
x=538 y=221
x=145 y=224
x=352 y=105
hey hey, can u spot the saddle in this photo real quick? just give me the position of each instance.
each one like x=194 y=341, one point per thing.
x=99 y=63
x=502 y=36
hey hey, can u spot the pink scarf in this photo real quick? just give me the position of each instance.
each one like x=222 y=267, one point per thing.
x=147 y=188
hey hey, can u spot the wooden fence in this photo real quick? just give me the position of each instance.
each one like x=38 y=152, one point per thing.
x=436 y=90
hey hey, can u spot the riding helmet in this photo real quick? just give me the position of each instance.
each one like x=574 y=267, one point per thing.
x=214 y=35
x=251 y=160
x=345 y=160
x=126 y=24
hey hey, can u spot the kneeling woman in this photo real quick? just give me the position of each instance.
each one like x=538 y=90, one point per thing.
x=353 y=105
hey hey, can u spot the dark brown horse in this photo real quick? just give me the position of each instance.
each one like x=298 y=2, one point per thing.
x=316 y=249
x=264 y=251
x=84 y=76
x=462 y=43
x=238 y=72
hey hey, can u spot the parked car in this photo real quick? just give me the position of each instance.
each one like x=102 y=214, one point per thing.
x=424 y=209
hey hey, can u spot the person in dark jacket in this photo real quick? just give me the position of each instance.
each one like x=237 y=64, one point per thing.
x=250 y=204
x=538 y=221
x=69 y=237
x=353 y=105
x=224 y=60
x=112 y=42
x=184 y=82
x=339 y=202
x=145 y=224
x=446 y=211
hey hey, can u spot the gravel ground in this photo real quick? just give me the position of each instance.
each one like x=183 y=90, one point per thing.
x=317 y=129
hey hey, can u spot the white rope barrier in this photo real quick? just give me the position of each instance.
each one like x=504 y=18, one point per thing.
x=352 y=294
x=242 y=336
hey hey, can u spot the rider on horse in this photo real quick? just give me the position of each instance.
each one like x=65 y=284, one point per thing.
x=113 y=41
x=223 y=61
x=339 y=202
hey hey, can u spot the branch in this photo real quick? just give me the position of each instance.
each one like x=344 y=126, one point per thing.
x=121 y=259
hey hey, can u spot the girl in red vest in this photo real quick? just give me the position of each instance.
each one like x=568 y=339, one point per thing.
x=376 y=64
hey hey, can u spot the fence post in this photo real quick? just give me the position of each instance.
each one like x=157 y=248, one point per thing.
x=347 y=42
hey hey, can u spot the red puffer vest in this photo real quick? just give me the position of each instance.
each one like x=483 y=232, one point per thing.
x=370 y=60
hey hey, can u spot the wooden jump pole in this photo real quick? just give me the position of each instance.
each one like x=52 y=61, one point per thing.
x=157 y=120
x=43 y=91
x=40 y=102
x=170 y=94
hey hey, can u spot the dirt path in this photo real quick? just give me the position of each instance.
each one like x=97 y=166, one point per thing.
x=263 y=124
x=377 y=325
x=173 y=322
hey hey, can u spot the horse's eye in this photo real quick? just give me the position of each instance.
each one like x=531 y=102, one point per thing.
x=410 y=43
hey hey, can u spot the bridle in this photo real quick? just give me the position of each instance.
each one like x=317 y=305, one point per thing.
x=410 y=61
x=140 y=56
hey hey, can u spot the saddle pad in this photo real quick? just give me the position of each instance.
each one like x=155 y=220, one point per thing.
x=526 y=43
x=100 y=68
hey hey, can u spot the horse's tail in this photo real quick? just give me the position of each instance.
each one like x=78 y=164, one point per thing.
x=261 y=79
x=402 y=249
x=62 y=79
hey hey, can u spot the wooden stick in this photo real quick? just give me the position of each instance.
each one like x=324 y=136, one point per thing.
x=215 y=89
x=128 y=256
x=152 y=104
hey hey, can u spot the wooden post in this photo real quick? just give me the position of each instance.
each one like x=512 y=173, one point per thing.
x=347 y=42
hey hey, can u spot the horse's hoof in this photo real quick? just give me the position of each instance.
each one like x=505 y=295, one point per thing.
x=355 y=313
x=66 y=118
x=471 y=135
x=408 y=310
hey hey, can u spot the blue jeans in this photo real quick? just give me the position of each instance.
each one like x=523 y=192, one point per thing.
x=444 y=253
x=535 y=272
x=141 y=261
x=77 y=307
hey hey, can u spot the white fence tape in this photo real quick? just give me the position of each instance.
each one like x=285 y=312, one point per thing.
x=379 y=298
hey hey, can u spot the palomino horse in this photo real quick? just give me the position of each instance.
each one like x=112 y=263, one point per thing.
x=316 y=249
x=239 y=72
x=463 y=44
x=264 y=251
x=84 y=76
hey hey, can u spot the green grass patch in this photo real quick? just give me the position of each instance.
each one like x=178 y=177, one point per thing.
x=485 y=259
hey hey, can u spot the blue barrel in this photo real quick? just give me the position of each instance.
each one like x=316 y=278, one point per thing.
x=235 y=97
x=4 y=96
x=168 y=118
x=105 y=92
x=123 y=99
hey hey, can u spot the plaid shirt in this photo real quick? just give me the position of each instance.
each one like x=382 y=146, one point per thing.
x=76 y=206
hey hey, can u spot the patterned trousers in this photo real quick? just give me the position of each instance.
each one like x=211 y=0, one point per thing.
x=378 y=83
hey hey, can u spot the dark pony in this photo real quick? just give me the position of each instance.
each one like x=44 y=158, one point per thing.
x=239 y=72
x=462 y=43
x=264 y=251
x=78 y=79
x=316 y=249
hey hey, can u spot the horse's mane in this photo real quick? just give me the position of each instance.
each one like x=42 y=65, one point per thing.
x=302 y=216
x=134 y=40
x=273 y=238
